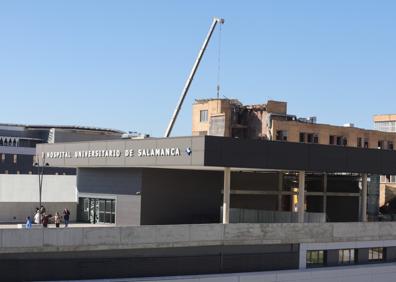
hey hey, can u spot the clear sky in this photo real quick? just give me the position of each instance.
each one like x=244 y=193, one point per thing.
x=123 y=64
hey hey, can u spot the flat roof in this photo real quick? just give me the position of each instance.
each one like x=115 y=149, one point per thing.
x=210 y=152
x=384 y=117
x=72 y=127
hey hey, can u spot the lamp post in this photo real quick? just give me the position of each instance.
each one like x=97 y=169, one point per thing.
x=40 y=164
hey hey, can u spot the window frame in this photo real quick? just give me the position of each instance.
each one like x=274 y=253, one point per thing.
x=380 y=254
x=346 y=256
x=203 y=116
x=315 y=258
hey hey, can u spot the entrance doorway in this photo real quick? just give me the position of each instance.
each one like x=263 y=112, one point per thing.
x=96 y=210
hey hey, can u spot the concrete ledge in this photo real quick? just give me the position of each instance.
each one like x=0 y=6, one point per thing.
x=138 y=237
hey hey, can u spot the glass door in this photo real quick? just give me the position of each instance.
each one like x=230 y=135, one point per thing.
x=95 y=210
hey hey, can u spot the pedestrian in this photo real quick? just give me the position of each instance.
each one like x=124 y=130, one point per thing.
x=42 y=209
x=45 y=219
x=66 y=216
x=37 y=217
x=28 y=224
x=57 y=219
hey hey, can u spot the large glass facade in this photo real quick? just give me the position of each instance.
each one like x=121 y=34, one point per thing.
x=388 y=126
x=95 y=210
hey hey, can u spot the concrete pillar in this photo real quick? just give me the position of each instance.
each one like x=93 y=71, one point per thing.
x=301 y=196
x=364 y=198
x=226 y=195
x=280 y=188
x=324 y=192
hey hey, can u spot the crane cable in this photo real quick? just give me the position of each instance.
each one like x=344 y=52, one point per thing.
x=218 y=63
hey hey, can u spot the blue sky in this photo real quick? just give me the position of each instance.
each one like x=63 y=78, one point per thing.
x=123 y=64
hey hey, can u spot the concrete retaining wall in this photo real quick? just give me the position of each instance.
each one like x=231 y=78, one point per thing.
x=140 y=237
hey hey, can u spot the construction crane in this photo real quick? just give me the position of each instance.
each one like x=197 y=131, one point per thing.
x=191 y=76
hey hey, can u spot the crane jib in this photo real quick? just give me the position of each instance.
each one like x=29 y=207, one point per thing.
x=191 y=76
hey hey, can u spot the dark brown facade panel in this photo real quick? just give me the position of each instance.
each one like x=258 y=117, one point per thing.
x=232 y=152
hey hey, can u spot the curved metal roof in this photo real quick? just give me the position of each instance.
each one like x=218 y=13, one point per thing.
x=70 y=127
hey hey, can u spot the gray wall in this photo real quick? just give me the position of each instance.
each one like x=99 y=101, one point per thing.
x=128 y=209
x=181 y=196
x=124 y=184
x=19 y=195
x=124 y=181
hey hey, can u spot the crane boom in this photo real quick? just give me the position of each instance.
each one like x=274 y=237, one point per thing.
x=191 y=76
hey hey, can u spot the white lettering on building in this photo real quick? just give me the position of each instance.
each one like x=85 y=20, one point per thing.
x=116 y=153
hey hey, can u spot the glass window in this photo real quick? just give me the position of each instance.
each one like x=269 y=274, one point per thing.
x=108 y=205
x=381 y=144
x=302 y=137
x=310 y=138
x=376 y=254
x=331 y=139
x=390 y=145
x=108 y=217
x=359 y=142
x=203 y=115
x=316 y=138
x=366 y=143
x=101 y=217
x=346 y=256
x=315 y=258
x=281 y=135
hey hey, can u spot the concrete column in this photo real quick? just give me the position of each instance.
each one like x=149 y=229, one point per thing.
x=226 y=195
x=364 y=198
x=302 y=257
x=280 y=188
x=301 y=196
x=324 y=192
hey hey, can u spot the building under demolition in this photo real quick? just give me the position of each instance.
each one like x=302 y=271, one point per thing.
x=270 y=121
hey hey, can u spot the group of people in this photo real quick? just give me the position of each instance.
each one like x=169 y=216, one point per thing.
x=42 y=217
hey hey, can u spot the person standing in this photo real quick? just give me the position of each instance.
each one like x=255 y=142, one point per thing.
x=57 y=219
x=66 y=216
x=45 y=219
x=37 y=217
x=28 y=223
